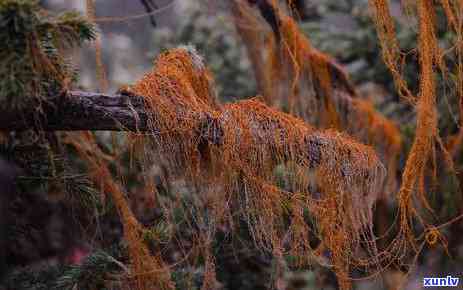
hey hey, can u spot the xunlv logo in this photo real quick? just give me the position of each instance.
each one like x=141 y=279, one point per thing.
x=449 y=281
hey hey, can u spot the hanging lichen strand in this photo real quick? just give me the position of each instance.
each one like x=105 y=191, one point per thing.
x=426 y=135
x=453 y=12
x=392 y=56
x=229 y=154
x=148 y=271
x=426 y=130
x=100 y=70
x=310 y=85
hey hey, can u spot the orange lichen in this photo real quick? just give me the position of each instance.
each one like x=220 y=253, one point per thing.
x=426 y=130
x=392 y=55
x=231 y=152
x=100 y=70
x=376 y=130
x=449 y=12
x=148 y=271
x=453 y=13
x=412 y=193
x=318 y=90
x=294 y=59
x=422 y=149
x=250 y=28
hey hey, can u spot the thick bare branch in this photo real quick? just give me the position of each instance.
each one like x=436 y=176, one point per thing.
x=77 y=110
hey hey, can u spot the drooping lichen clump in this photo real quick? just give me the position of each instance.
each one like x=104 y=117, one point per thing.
x=310 y=85
x=229 y=154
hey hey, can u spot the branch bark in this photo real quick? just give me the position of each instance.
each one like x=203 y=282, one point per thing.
x=77 y=110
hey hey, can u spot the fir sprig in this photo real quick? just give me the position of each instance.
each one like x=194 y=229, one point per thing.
x=93 y=273
x=30 y=40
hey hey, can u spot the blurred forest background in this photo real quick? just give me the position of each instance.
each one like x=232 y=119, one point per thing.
x=75 y=242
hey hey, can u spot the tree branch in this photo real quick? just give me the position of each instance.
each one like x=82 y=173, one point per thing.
x=77 y=110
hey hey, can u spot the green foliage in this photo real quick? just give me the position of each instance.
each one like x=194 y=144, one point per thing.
x=33 y=67
x=31 y=44
x=81 y=191
x=49 y=172
x=91 y=274
x=158 y=233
